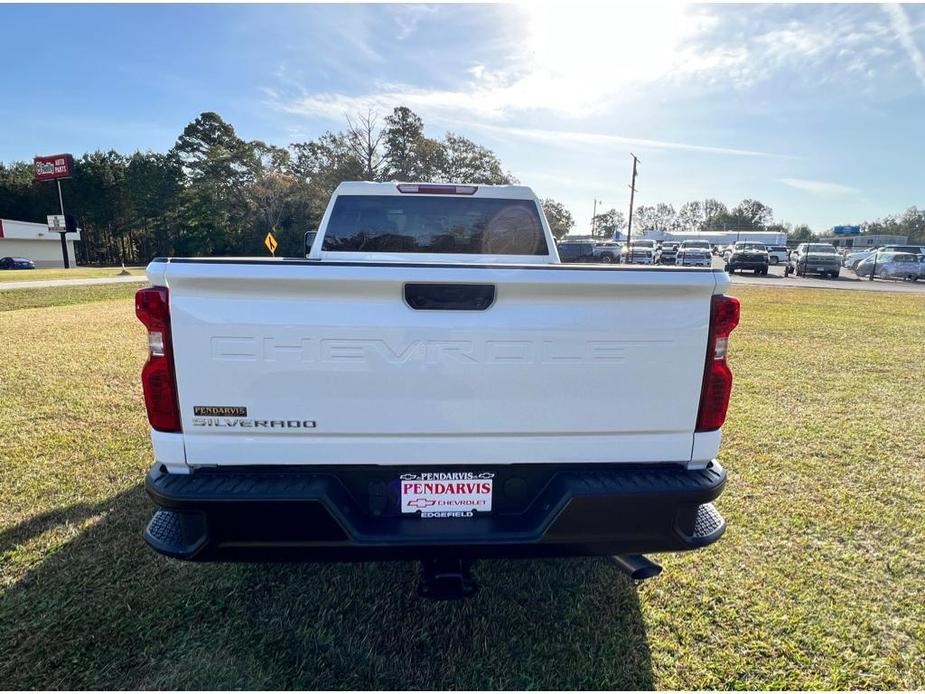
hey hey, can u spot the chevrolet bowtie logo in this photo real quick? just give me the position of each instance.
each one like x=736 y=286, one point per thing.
x=422 y=503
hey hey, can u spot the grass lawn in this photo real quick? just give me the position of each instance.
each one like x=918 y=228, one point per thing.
x=59 y=273
x=818 y=582
x=40 y=297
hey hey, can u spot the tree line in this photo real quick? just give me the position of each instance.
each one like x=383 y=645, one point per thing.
x=748 y=215
x=701 y=215
x=214 y=193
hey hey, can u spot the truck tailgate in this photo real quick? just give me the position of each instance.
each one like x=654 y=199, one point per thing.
x=295 y=362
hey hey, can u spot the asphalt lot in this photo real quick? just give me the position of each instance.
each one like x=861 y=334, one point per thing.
x=846 y=280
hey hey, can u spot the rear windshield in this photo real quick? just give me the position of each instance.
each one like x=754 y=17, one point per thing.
x=434 y=224
x=820 y=248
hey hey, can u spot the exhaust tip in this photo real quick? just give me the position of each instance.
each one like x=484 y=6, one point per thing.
x=645 y=572
x=637 y=567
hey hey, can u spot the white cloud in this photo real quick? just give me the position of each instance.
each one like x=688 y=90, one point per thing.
x=434 y=104
x=408 y=16
x=903 y=30
x=579 y=60
x=825 y=188
x=570 y=138
x=572 y=60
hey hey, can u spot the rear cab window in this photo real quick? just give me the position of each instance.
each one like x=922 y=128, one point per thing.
x=435 y=224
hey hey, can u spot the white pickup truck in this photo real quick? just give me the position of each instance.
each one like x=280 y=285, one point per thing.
x=430 y=383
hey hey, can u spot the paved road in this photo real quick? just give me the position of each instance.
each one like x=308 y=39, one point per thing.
x=31 y=284
x=846 y=280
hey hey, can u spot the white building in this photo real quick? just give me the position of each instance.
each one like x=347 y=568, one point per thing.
x=35 y=242
x=866 y=241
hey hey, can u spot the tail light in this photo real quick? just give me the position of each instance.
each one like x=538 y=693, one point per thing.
x=157 y=377
x=717 y=378
x=436 y=189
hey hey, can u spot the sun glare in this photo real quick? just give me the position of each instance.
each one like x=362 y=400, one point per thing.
x=587 y=53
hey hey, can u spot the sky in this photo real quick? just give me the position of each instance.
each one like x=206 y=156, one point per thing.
x=816 y=110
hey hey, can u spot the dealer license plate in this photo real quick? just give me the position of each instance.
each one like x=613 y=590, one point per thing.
x=446 y=494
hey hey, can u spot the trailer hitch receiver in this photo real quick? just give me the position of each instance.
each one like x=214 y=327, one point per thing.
x=447 y=579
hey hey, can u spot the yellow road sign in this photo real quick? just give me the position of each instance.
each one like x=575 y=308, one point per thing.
x=270 y=242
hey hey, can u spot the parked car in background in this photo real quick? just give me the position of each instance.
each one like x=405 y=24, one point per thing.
x=9 y=263
x=914 y=250
x=851 y=259
x=748 y=255
x=696 y=243
x=697 y=257
x=814 y=259
x=778 y=254
x=577 y=252
x=607 y=252
x=892 y=266
x=668 y=253
x=641 y=252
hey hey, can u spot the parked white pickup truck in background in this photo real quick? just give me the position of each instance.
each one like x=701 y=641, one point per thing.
x=431 y=383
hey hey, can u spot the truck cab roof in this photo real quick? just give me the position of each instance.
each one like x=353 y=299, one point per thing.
x=481 y=190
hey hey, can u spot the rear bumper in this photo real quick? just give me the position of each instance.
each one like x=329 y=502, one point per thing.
x=747 y=264
x=352 y=514
x=818 y=268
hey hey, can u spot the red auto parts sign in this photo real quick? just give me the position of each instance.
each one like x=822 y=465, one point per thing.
x=446 y=494
x=53 y=166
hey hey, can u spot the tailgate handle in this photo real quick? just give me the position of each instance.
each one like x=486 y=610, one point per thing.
x=449 y=297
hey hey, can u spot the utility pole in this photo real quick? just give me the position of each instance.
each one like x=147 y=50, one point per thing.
x=593 y=217
x=629 y=226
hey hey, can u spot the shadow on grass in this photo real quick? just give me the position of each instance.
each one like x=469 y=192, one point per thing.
x=104 y=611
